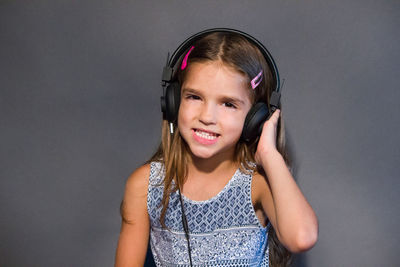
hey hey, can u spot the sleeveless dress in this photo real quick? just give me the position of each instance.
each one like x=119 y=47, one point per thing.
x=223 y=231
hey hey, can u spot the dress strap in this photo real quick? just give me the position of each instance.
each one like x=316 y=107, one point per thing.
x=157 y=174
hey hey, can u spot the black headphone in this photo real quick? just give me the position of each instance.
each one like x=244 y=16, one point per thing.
x=257 y=115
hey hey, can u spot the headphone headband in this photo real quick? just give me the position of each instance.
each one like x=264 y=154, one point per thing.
x=171 y=62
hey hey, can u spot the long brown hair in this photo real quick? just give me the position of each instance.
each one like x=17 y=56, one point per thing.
x=234 y=51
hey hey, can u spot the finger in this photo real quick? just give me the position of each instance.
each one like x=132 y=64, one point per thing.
x=275 y=116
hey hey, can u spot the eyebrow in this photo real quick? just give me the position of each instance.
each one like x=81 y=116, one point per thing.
x=190 y=90
x=232 y=99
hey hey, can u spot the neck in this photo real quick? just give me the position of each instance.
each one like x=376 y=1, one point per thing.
x=220 y=162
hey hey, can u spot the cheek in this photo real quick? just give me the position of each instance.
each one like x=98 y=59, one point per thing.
x=181 y=119
x=188 y=110
x=184 y=115
x=182 y=109
x=235 y=124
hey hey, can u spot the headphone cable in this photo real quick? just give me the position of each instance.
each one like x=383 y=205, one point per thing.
x=185 y=227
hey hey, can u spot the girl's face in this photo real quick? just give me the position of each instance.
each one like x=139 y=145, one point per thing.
x=214 y=104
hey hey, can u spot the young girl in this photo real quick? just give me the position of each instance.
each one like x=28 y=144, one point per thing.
x=210 y=196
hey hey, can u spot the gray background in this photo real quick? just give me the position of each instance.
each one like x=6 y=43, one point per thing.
x=79 y=111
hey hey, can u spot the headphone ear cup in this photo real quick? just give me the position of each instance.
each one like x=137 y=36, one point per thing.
x=172 y=100
x=254 y=122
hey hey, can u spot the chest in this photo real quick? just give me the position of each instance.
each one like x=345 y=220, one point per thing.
x=204 y=189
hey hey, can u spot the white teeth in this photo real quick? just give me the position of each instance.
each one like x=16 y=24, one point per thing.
x=205 y=135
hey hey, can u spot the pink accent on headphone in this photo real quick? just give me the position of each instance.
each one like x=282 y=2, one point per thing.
x=184 y=62
x=254 y=82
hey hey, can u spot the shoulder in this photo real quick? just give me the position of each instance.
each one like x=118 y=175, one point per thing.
x=138 y=180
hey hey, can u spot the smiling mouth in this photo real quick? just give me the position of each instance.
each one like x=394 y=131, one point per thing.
x=205 y=135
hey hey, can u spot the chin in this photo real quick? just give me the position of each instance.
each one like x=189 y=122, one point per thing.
x=202 y=153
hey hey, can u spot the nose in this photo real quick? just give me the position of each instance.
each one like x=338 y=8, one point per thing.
x=208 y=114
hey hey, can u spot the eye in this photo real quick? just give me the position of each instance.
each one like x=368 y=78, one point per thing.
x=230 y=105
x=194 y=97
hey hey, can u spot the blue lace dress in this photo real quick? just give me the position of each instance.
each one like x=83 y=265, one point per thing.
x=224 y=230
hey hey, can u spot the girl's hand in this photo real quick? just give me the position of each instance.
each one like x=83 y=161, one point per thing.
x=267 y=142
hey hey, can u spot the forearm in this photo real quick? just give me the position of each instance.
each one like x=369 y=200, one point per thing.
x=296 y=222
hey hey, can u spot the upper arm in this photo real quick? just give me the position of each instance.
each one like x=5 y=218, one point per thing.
x=135 y=227
x=296 y=226
x=263 y=195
